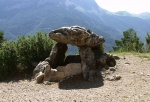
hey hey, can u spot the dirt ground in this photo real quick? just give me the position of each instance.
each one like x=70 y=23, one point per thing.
x=134 y=86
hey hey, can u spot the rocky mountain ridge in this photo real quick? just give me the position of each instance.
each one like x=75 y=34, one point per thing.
x=27 y=17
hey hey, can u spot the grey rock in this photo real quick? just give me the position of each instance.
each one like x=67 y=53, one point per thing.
x=70 y=69
x=58 y=74
x=40 y=77
x=57 y=55
x=40 y=68
x=76 y=35
x=106 y=61
x=116 y=57
x=91 y=57
x=88 y=61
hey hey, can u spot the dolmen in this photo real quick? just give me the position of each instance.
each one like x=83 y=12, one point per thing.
x=90 y=60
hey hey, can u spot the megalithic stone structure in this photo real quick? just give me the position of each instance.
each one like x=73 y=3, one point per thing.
x=91 y=57
x=82 y=38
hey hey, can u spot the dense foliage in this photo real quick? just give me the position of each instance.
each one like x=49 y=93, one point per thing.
x=147 y=43
x=8 y=60
x=24 y=52
x=1 y=37
x=33 y=49
x=130 y=42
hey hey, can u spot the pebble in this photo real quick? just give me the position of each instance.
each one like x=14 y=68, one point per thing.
x=113 y=78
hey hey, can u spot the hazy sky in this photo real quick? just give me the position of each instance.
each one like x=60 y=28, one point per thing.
x=132 y=6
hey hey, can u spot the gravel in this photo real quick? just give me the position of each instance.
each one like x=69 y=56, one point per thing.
x=134 y=86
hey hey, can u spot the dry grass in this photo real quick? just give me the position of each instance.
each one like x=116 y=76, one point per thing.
x=141 y=55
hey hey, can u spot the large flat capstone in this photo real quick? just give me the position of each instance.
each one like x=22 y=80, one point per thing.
x=76 y=35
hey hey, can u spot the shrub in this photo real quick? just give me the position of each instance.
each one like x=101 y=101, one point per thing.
x=25 y=50
x=33 y=49
x=8 y=60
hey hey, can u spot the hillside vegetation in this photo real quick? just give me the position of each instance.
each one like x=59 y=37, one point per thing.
x=131 y=43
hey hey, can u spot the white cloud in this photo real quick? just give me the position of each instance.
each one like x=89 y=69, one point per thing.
x=132 y=6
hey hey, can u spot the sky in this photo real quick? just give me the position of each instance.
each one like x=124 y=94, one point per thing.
x=131 y=6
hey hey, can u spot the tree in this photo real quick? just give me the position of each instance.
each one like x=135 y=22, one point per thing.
x=147 y=42
x=129 y=43
x=1 y=37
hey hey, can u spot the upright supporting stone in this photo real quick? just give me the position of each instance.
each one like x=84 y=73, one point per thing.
x=57 y=55
x=88 y=62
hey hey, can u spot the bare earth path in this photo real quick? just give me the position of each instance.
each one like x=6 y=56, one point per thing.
x=134 y=86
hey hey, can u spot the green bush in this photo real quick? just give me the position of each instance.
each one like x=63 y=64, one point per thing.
x=24 y=51
x=8 y=60
x=33 y=49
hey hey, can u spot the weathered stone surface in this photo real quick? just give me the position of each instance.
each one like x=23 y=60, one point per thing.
x=116 y=57
x=106 y=60
x=77 y=36
x=57 y=55
x=111 y=62
x=70 y=69
x=91 y=59
x=61 y=72
x=40 y=68
x=88 y=61
x=40 y=77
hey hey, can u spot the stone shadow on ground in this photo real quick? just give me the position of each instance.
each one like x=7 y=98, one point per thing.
x=17 y=78
x=77 y=82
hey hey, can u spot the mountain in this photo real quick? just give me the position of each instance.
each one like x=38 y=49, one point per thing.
x=123 y=13
x=144 y=15
x=25 y=17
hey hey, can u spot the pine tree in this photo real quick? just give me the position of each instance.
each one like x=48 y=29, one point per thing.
x=130 y=42
x=147 y=42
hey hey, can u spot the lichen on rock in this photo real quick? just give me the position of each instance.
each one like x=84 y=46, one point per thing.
x=77 y=36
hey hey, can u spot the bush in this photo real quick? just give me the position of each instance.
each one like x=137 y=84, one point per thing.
x=33 y=49
x=8 y=60
x=25 y=50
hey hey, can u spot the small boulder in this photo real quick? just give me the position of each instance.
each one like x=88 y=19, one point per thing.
x=40 y=77
x=40 y=68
